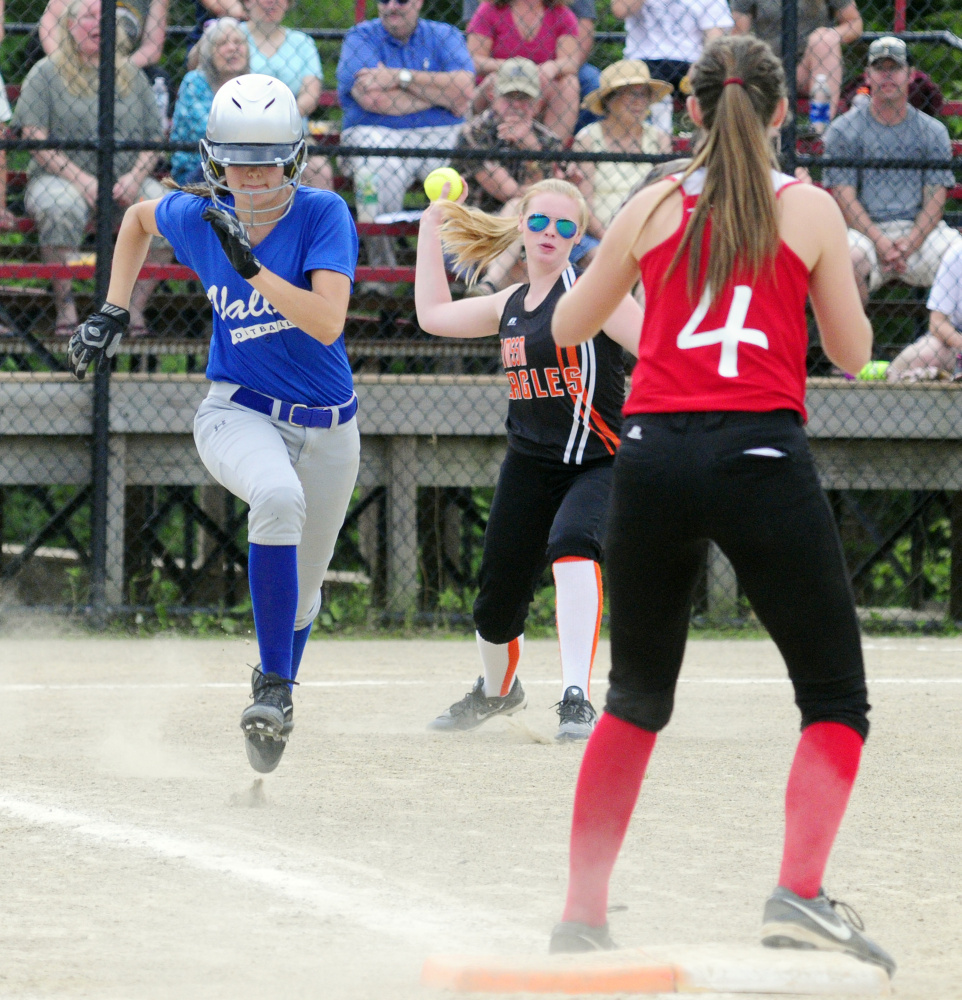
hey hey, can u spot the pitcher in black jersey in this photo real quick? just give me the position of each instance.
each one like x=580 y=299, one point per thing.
x=564 y=417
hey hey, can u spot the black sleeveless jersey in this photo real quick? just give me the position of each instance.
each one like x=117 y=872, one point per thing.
x=564 y=403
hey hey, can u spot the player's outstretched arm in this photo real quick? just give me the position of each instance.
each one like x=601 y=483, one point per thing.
x=815 y=228
x=437 y=313
x=583 y=310
x=623 y=326
x=130 y=251
x=96 y=339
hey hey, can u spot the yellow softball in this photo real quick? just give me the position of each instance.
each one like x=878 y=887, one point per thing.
x=436 y=180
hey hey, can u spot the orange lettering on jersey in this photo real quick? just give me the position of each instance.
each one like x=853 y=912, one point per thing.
x=515 y=387
x=572 y=377
x=553 y=377
x=536 y=382
x=525 y=388
x=512 y=352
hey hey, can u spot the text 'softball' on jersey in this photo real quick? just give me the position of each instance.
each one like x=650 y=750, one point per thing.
x=564 y=403
x=252 y=343
x=747 y=352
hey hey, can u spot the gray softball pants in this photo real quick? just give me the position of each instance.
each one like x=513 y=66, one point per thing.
x=298 y=482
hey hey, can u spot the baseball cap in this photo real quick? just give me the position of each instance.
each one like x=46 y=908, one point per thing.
x=518 y=76
x=888 y=48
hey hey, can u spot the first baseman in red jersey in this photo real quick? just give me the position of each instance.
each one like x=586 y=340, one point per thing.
x=713 y=448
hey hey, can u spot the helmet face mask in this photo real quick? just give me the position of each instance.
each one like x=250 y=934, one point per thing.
x=253 y=121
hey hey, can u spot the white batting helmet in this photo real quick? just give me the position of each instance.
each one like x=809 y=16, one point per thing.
x=253 y=121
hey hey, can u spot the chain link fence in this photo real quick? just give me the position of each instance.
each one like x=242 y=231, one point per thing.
x=104 y=504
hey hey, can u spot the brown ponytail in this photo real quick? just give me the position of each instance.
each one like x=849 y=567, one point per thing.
x=738 y=82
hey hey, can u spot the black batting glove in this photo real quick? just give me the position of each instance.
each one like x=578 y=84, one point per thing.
x=97 y=339
x=234 y=240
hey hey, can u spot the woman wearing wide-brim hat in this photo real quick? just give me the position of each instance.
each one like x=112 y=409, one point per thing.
x=622 y=100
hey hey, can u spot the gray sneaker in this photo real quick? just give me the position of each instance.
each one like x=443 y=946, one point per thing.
x=791 y=921
x=570 y=937
x=577 y=716
x=268 y=722
x=474 y=708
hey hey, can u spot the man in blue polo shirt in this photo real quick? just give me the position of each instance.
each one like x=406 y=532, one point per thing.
x=402 y=82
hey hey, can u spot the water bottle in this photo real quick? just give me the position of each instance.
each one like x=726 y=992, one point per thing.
x=159 y=88
x=365 y=195
x=819 y=108
x=862 y=97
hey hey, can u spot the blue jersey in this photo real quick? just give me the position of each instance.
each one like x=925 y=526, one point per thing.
x=253 y=344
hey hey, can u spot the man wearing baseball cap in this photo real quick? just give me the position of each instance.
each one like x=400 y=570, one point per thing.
x=496 y=184
x=508 y=124
x=896 y=230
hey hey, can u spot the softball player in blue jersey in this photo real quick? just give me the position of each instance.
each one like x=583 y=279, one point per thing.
x=278 y=425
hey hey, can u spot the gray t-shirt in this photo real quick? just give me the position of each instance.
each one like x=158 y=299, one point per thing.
x=888 y=194
x=580 y=9
x=46 y=103
x=766 y=18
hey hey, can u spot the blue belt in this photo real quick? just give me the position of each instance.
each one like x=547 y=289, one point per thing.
x=296 y=414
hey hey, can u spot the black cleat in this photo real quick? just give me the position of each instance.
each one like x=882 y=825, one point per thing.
x=474 y=708
x=570 y=937
x=577 y=716
x=267 y=723
x=792 y=921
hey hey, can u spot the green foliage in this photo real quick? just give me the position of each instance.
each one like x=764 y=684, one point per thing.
x=887 y=586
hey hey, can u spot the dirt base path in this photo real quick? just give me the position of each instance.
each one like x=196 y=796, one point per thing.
x=140 y=857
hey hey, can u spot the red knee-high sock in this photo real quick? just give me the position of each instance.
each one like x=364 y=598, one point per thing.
x=819 y=786
x=611 y=773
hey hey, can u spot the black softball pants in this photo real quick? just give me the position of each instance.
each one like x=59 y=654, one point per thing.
x=542 y=511
x=747 y=482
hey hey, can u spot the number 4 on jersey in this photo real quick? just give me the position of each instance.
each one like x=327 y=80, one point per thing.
x=729 y=336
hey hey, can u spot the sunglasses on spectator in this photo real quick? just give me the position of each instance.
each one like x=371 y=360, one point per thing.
x=400 y=3
x=565 y=228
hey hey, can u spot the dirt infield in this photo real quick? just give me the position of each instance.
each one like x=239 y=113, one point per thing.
x=142 y=859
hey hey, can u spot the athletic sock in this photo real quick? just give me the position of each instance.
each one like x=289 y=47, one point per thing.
x=819 y=784
x=612 y=770
x=500 y=662
x=272 y=575
x=300 y=641
x=578 y=602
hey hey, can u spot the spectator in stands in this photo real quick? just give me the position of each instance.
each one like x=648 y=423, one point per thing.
x=58 y=100
x=141 y=29
x=622 y=100
x=669 y=35
x=7 y=219
x=509 y=124
x=223 y=54
x=403 y=82
x=496 y=184
x=896 y=231
x=824 y=26
x=292 y=57
x=939 y=353
x=544 y=31
x=588 y=75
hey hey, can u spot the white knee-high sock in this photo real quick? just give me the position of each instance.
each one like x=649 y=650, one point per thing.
x=500 y=661
x=578 y=603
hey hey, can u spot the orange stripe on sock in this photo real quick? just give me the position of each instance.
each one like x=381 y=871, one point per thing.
x=514 y=654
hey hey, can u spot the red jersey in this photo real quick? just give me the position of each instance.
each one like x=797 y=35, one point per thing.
x=747 y=352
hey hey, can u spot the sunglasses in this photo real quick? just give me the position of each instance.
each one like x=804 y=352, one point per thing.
x=386 y=3
x=565 y=228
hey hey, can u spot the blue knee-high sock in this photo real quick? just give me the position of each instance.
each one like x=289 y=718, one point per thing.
x=272 y=575
x=300 y=641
